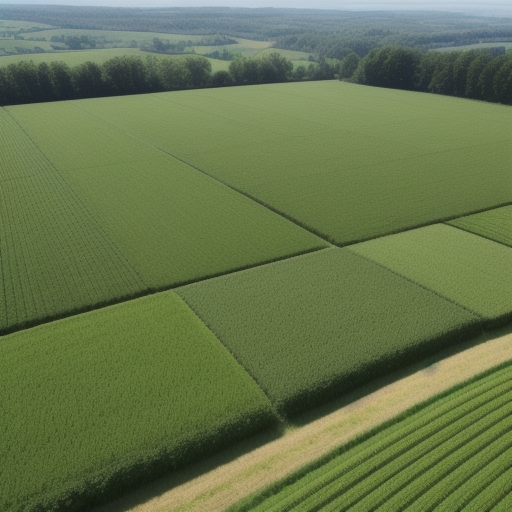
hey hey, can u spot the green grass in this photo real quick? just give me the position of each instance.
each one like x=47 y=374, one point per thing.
x=451 y=452
x=97 y=402
x=347 y=161
x=494 y=224
x=99 y=215
x=313 y=326
x=466 y=269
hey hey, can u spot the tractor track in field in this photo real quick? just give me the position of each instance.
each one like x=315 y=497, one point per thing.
x=220 y=481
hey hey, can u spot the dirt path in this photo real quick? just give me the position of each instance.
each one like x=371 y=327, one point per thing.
x=224 y=479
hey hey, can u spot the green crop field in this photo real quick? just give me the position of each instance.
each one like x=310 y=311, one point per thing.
x=452 y=453
x=96 y=402
x=313 y=326
x=313 y=150
x=466 y=269
x=8 y=46
x=495 y=224
x=229 y=199
x=100 y=215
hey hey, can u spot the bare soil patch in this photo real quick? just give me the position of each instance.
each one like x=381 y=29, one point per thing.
x=222 y=480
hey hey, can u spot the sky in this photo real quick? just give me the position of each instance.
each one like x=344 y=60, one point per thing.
x=453 y=5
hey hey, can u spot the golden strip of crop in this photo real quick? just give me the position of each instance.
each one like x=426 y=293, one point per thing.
x=224 y=479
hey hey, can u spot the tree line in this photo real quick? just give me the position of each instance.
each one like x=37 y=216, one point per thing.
x=483 y=74
x=26 y=82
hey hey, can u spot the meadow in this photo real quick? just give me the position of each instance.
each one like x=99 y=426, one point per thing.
x=450 y=453
x=306 y=238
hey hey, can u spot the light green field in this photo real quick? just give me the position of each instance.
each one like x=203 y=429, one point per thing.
x=452 y=454
x=8 y=46
x=314 y=150
x=312 y=327
x=99 y=401
x=494 y=224
x=77 y=57
x=16 y=26
x=99 y=215
x=115 y=37
x=477 y=46
x=245 y=47
x=467 y=269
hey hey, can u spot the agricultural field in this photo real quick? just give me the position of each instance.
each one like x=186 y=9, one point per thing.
x=450 y=453
x=344 y=319
x=115 y=38
x=8 y=48
x=94 y=403
x=316 y=148
x=229 y=202
x=136 y=218
x=495 y=224
x=467 y=269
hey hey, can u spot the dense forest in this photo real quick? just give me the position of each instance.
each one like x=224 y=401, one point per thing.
x=384 y=49
x=329 y=32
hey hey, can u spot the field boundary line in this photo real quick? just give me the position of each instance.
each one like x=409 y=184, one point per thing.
x=222 y=481
x=482 y=318
x=325 y=237
x=311 y=230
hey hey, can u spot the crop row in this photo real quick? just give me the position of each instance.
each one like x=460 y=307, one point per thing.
x=96 y=402
x=420 y=462
x=55 y=258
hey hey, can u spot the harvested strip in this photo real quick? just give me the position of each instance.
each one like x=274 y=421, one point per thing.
x=495 y=224
x=466 y=269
